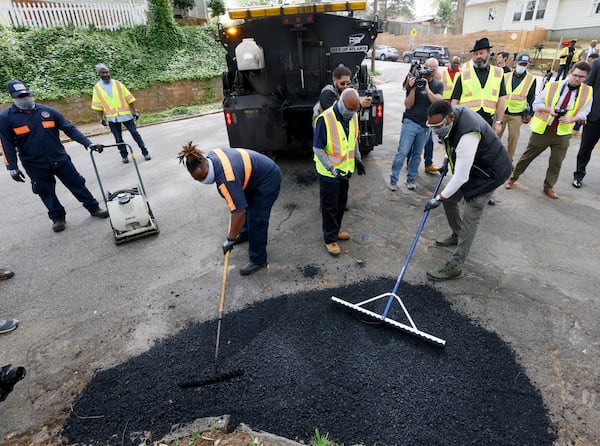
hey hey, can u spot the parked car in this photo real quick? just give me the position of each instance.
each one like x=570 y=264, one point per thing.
x=384 y=52
x=424 y=52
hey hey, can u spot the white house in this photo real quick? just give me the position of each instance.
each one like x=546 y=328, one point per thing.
x=561 y=18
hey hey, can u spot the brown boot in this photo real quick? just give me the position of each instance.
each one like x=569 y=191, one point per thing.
x=333 y=248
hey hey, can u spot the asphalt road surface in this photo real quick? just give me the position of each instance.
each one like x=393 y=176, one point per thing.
x=86 y=304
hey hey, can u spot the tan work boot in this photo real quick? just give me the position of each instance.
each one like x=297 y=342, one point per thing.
x=343 y=235
x=431 y=169
x=333 y=248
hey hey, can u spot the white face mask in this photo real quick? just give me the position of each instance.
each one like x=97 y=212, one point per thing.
x=346 y=114
x=520 y=69
x=25 y=103
x=210 y=176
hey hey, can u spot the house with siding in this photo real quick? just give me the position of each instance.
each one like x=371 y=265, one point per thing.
x=562 y=18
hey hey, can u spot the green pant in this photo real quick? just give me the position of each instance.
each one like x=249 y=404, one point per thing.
x=537 y=144
x=513 y=122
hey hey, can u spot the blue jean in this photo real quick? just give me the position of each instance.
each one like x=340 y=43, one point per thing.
x=412 y=140
x=117 y=131
x=428 y=152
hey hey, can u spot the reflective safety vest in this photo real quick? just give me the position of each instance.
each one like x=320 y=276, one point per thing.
x=448 y=83
x=516 y=100
x=340 y=148
x=541 y=119
x=473 y=95
x=115 y=105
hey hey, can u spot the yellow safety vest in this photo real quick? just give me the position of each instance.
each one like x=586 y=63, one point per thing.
x=516 y=100
x=541 y=119
x=448 y=83
x=473 y=95
x=115 y=105
x=340 y=148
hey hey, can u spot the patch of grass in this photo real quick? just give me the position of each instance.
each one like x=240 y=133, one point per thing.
x=321 y=440
x=178 y=112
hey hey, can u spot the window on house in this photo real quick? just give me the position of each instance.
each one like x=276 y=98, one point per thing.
x=541 y=10
x=518 y=11
x=492 y=14
x=529 y=10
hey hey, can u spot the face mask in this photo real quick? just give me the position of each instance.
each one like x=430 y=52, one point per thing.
x=442 y=132
x=25 y=103
x=520 y=69
x=210 y=176
x=346 y=114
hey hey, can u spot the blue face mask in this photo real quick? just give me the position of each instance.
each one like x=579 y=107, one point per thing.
x=210 y=176
x=25 y=103
x=346 y=114
x=520 y=69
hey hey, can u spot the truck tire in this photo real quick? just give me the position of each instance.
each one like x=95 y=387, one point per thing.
x=382 y=57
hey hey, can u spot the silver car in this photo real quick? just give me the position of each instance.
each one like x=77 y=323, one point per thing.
x=384 y=52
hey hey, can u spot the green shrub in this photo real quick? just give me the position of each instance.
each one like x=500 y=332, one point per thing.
x=60 y=62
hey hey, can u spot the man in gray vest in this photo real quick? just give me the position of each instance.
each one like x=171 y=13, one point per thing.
x=479 y=164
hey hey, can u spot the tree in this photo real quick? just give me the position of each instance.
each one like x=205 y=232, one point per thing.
x=460 y=16
x=217 y=7
x=162 y=28
x=446 y=13
x=395 y=8
x=184 y=5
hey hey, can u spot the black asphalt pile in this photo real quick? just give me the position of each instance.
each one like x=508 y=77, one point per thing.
x=311 y=364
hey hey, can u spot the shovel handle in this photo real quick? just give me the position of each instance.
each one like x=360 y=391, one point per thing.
x=224 y=283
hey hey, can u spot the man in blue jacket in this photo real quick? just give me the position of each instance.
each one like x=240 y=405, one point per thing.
x=32 y=131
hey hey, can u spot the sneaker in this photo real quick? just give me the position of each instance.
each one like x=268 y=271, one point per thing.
x=5 y=274
x=333 y=248
x=147 y=157
x=393 y=186
x=343 y=235
x=451 y=240
x=125 y=160
x=411 y=184
x=447 y=272
x=100 y=213
x=431 y=169
x=251 y=267
x=59 y=225
x=8 y=325
x=577 y=183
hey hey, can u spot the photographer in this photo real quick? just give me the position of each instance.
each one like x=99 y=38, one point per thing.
x=557 y=108
x=422 y=89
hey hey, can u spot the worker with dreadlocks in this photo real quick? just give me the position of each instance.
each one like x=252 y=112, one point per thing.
x=249 y=182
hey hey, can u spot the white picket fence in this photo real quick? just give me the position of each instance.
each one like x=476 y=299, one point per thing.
x=101 y=15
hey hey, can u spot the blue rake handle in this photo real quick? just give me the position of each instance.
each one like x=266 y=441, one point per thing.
x=410 y=251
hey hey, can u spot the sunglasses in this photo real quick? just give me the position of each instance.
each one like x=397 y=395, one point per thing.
x=439 y=125
x=345 y=83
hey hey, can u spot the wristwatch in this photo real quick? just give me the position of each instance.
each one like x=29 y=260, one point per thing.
x=498 y=122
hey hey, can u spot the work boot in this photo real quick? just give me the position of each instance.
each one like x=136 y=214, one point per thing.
x=447 y=272
x=343 y=235
x=5 y=274
x=251 y=267
x=7 y=325
x=147 y=157
x=333 y=248
x=59 y=225
x=124 y=160
x=451 y=240
x=431 y=169
x=100 y=213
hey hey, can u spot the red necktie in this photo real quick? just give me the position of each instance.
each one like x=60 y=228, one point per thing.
x=563 y=106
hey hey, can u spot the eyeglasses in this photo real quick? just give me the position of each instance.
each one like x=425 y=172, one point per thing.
x=438 y=125
x=345 y=83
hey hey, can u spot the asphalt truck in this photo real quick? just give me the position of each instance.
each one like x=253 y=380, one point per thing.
x=278 y=60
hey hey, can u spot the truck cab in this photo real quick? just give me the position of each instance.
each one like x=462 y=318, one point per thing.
x=278 y=60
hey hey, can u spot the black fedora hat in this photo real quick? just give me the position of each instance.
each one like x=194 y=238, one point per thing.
x=481 y=44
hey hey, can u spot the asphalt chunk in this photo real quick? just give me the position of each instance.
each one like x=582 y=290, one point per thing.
x=310 y=364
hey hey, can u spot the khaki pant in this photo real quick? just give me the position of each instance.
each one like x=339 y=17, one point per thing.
x=537 y=144
x=513 y=123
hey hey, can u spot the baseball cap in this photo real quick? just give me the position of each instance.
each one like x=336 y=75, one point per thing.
x=17 y=87
x=523 y=58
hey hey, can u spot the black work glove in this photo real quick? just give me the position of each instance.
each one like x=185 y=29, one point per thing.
x=136 y=115
x=17 y=175
x=228 y=245
x=97 y=148
x=103 y=122
x=432 y=203
x=360 y=167
x=443 y=170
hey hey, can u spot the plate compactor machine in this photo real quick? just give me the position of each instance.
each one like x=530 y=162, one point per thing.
x=279 y=58
x=128 y=209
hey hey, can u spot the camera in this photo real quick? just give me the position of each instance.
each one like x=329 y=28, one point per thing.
x=539 y=46
x=560 y=112
x=9 y=376
x=421 y=73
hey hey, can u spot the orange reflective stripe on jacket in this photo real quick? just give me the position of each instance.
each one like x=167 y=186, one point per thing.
x=226 y=164
x=247 y=166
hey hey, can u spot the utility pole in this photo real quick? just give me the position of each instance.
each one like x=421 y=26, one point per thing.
x=375 y=39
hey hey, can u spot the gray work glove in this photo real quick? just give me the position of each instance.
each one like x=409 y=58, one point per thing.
x=17 y=175
x=360 y=167
x=228 y=245
x=337 y=174
x=432 y=203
